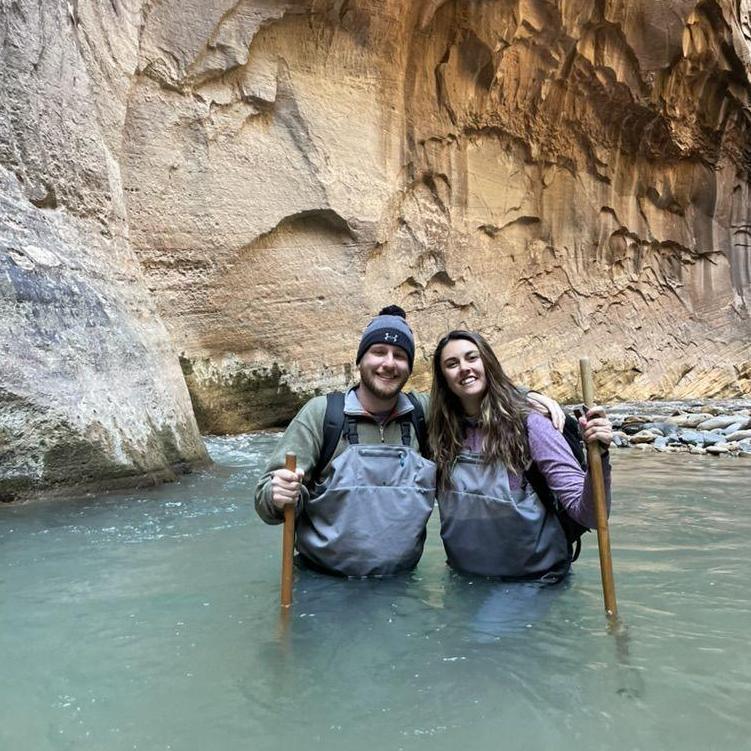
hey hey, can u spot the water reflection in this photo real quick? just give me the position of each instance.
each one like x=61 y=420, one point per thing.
x=489 y=610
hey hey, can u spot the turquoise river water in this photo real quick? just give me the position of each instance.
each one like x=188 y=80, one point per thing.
x=150 y=620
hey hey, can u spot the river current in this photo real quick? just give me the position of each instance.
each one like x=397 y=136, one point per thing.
x=150 y=620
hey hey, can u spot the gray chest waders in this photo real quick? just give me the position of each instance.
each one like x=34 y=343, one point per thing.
x=491 y=530
x=369 y=518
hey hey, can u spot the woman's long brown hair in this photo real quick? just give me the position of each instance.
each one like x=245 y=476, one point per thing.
x=503 y=414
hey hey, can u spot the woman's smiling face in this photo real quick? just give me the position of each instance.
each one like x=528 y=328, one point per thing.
x=464 y=371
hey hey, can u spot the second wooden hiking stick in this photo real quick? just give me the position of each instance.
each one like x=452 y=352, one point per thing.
x=288 y=541
x=597 y=480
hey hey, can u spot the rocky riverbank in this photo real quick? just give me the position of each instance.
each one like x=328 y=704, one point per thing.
x=720 y=428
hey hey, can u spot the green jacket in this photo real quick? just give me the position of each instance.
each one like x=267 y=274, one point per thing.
x=304 y=436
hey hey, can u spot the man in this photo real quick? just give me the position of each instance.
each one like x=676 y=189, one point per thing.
x=365 y=512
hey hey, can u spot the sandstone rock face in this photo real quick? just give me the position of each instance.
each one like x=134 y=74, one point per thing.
x=91 y=391
x=566 y=177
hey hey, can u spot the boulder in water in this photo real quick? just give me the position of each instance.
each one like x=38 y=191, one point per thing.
x=712 y=439
x=688 y=420
x=719 y=422
x=739 y=435
x=691 y=436
x=620 y=439
x=718 y=448
x=644 y=436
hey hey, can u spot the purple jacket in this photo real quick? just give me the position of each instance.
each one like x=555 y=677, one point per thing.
x=558 y=466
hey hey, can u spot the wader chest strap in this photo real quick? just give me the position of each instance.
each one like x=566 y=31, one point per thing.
x=406 y=432
x=350 y=430
x=335 y=425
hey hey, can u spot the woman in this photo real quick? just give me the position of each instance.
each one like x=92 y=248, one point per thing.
x=485 y=438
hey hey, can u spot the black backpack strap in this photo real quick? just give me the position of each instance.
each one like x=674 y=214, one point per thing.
x=577 y=548
x=333 y=422
x=417 y=417
x=406 y=426
x=572 y=529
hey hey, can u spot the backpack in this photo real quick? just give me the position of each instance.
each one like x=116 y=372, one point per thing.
x=572 y=529
x=335 y=422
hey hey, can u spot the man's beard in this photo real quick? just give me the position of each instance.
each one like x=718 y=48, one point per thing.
x=377 y=388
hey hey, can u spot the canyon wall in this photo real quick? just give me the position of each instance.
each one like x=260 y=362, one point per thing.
x=91 y=391
x=222 y=192
x=567 y=177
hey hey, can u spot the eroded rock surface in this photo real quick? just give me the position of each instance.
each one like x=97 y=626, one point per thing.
x=91 y=391
x=566 y=177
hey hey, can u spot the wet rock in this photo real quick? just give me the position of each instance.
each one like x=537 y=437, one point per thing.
x=711 y=438
x=714 y=410
x=718 y=448
x=688 y=420
x=617 y=421
x=665 y=430
x=644 y=436
x=691 y=436
x=720 y=422
x=659 y=428
x=229 y=399
x=634 y=428
x=734 y=428
x=737 y=427
x=620 y=439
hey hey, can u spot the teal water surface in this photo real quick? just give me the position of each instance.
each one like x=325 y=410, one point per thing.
x=150 y=620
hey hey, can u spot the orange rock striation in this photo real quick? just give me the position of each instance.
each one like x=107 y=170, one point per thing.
x=566 y=177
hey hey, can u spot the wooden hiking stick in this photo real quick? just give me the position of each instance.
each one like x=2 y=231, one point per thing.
x=632 y=684
x=288 y=540
x=594 y=462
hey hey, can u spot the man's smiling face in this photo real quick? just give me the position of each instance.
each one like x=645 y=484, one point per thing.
x=384 y=369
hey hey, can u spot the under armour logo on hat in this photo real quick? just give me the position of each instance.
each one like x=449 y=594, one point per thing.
x=389 y=326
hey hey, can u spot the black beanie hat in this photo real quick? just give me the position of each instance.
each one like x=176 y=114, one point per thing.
x=389 y=327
